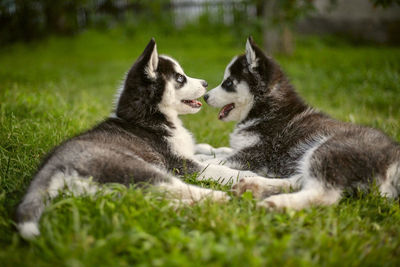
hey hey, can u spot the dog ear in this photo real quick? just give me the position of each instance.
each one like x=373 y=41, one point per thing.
x=150 y=58
x=251 y=56
x=139 y=94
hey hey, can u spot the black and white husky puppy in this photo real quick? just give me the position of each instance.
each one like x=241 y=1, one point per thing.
x=280 y=136
x=143 y=141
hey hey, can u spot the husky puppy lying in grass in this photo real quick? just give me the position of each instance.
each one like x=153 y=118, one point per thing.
x=299 y=148
x=143 y=141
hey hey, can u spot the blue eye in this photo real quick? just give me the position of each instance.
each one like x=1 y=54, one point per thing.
x=180 y=78
x=228 y=83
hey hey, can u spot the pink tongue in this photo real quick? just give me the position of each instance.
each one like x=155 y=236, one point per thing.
x=225 y=111
x=196 y=104
x=193 y=103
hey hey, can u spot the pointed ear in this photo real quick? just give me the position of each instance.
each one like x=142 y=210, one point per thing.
x=251 y=53
x=150 y=57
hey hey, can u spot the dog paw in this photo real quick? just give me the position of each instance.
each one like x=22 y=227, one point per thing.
x=268 y=205
x=248 y=184
x=202 y=194
x=279 y=202
x=260 y=187
x=204 y=149
x=220 y=196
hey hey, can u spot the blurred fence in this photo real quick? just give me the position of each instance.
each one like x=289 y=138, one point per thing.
x=222 y=11
x=30 y=19
x=25 y=20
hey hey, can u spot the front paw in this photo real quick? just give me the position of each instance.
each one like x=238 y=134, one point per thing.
x=259 y=186
x=220 y=196
x=275 y=203
x=204 y=149
x=210 y=194
x=248 y=184
x=269 y=205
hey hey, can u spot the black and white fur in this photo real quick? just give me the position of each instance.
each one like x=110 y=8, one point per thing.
x=143 y=141
x=280 y=136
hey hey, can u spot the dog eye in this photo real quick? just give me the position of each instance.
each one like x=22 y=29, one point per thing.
x=228 y=83
x=180 y=78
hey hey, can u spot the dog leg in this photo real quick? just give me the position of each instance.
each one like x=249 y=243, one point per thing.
x=223 y=151
x=308 y=196
x=222 y=174
x=264 y=187
x=190 y=193
x=207 y=159
x=206 y=149
x=204 y=157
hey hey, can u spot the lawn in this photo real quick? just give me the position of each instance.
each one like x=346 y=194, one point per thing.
x=56 y=88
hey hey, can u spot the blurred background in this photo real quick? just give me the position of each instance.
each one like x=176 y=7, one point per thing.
x=275 y=22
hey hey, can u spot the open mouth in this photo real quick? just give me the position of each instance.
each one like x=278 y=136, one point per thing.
x=192 y=103
x=225 y=111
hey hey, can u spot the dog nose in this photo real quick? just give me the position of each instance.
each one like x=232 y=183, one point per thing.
x=205 y=97
x=204 y=83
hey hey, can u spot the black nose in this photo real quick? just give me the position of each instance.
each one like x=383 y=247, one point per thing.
x=205 y=97
x=204 y=83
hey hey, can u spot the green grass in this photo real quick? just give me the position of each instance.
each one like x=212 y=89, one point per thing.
x=56 y=88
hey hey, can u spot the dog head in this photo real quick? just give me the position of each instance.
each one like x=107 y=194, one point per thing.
x=248 y=78
x=158 y=84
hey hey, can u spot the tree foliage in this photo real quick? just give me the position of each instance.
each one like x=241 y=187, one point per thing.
x=31 y=19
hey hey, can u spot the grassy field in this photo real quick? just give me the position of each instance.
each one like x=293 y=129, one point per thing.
x=56 y=88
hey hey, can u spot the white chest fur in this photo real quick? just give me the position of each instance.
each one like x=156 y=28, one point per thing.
x=241 y=138
x=181 y=140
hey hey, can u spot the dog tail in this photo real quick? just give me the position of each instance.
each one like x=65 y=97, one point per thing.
x=390 y=186
x=45 y=185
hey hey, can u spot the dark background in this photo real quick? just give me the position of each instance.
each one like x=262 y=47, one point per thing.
x=276 y=22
